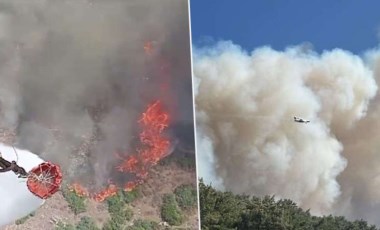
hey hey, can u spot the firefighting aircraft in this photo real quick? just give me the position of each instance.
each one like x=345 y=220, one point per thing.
x=300 y=120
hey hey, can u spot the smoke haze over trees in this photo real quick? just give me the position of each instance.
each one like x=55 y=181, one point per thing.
x=247 y=141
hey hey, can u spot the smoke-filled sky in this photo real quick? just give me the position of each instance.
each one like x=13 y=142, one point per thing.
x=247 y=139
x=269 y=61
x=62 y=60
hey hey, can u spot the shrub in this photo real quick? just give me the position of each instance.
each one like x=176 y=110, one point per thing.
x=24 y=219
x=63 y=226
x=144 y=225
x=186 y=196
x=170 y=211
x=131 y=196
x=86 y=223
x=111 y=224
x=119 y=211
x=76 y=203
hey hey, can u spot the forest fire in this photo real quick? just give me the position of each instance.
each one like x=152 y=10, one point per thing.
x=130 y=186
x=153 y=147
x=79 y=189
x=108 y=192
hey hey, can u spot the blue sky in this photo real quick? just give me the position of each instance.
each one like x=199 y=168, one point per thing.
x=349 y=24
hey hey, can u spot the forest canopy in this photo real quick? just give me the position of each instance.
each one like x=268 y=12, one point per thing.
x=224 y=210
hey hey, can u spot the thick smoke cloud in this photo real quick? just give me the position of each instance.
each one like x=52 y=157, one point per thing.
x=74 y=73
x=247 y=140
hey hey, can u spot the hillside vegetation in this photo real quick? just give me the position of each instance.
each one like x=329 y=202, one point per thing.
x=224 y=210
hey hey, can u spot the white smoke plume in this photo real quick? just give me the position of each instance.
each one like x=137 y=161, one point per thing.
x=17 y=201
x=247 y=141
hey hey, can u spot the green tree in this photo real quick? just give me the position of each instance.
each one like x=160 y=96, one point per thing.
x=76 y=203
x=223 y=210
x=220 y=210
x=64 y=226
x=131 y=196
x=144 y=225
x=170 y=211
x=119 y=211
x=86 y=223
x=186 y=196
x=112 y=225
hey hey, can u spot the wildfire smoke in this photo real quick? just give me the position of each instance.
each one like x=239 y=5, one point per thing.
x=75 y=77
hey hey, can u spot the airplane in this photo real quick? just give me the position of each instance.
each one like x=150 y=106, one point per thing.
x=300 y=120
x=6 y=166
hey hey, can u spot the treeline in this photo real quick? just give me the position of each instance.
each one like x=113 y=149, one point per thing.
x=224 y=211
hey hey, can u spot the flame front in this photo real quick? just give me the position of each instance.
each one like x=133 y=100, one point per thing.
x=154 y=146
x=79 y=189
x=108 y=192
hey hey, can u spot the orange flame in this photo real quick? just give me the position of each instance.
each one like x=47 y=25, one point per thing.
x=154 y=147
x=108 y=192
x=79 y=190
x=128 y=165
x=130 y=186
